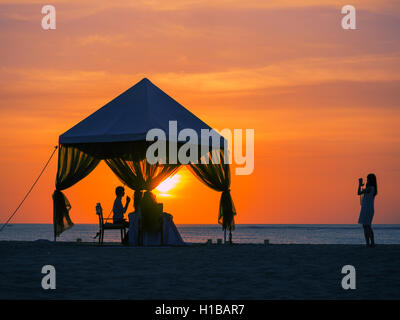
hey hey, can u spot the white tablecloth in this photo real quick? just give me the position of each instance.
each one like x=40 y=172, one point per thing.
x=171 y=234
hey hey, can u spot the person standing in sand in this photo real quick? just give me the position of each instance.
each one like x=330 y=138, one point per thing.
x=367 y=207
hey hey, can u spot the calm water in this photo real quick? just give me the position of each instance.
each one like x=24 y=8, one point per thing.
x=285 y=233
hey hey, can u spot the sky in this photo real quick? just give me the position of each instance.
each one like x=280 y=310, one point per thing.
x=323 y=101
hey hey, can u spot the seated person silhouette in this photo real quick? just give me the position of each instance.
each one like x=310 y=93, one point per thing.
x=151 y=213
x=118 y=208
x=135 y=219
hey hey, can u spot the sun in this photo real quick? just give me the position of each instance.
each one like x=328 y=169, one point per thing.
x=169 y=183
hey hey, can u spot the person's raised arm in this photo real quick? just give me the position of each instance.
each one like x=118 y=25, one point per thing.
x=360 y=191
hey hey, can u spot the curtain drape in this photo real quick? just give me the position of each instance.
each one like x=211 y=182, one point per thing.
x=73 y=166
x=140 y=175
x=216 y=175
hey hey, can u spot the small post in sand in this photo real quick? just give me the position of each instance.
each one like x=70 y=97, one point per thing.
x=266 y=242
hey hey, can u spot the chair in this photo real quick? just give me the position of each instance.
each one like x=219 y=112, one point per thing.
x=107 y=225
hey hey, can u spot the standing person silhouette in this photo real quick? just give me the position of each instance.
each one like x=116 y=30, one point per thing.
x=367 y=207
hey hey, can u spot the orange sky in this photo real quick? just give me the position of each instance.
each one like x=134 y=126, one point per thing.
x=324 y=102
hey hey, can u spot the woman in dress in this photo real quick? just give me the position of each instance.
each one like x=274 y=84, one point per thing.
x=367 y=206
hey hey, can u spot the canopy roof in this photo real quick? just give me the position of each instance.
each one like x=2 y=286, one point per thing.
x=131 y=115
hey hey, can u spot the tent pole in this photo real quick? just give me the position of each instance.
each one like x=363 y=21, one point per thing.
x=54 y=230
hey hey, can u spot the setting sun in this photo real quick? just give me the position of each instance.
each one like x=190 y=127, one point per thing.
x=165 y=186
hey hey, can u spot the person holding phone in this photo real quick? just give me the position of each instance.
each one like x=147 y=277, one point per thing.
x=367 y=207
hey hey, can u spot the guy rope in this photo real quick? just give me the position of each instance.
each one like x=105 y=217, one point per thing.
x=26 y=196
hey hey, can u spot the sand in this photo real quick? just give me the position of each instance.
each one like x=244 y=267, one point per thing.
x=89 y=271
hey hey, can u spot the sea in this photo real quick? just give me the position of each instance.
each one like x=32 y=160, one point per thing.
x=201 y=233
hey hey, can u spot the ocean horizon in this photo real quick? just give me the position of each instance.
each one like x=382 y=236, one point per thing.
x=200 y=233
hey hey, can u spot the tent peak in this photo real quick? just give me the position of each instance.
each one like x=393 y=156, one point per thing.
x=145 y=80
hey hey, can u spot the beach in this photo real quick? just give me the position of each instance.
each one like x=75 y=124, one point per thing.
x=238 y=271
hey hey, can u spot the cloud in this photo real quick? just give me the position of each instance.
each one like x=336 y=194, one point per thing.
x=312 y=71
x=368 y=68
x=137 y=40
